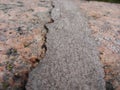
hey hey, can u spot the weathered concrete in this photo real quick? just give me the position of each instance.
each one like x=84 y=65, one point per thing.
x=71 y=61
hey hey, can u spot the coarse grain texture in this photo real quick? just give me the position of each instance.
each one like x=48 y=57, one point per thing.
x=22 y=40
x=71 y=61
x=104 y=20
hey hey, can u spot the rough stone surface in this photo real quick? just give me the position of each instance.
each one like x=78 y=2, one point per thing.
x=71 y=61
x=22 y=40
x=104 y=20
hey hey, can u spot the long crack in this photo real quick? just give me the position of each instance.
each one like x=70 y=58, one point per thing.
x=62 y=45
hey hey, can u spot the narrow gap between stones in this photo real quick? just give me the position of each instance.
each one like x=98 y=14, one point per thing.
x=44 y=45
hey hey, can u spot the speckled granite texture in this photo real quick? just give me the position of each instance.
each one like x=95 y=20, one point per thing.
x=22 y=40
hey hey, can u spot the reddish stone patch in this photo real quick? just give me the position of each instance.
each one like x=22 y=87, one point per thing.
x=22 y=40
x=104 y=20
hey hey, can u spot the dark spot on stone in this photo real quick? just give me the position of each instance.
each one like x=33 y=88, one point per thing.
x=109 y=86
x=31 y=10
x=5 y=30
x=10 y=32
x=101 y=53
x=119 y=32
x=20 y=4
x=44 y=46
x=16 y=77
x=19 y=88
x=12 y=51
x=9 y=66
x=37 y=60
x=19 y=29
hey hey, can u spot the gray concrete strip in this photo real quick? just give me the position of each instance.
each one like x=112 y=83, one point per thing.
x=71 y=61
